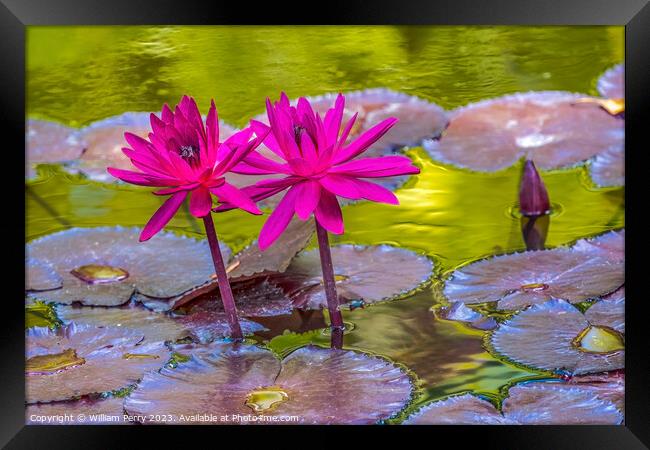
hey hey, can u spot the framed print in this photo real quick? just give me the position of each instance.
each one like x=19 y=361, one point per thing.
x=401 y=216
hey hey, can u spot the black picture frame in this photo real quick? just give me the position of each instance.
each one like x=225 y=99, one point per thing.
x=15 y=15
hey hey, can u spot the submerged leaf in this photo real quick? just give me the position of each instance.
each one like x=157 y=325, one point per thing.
x=80 y=360
x=168 y=265
x=366 y=273
x=556 y=336
x=50 y=142
x=318 y=386
x=550 y=128
x=587 y=270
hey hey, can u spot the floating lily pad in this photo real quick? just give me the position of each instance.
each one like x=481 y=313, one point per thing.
x=559 y=404
x=41 y=276
x=610 y=245
x=612 y=83
x=318 y=386
x=521 y=279
x=533 y=403
x=155 y=327
x=50 y=142
x=609 y=386
x=464 y=409
x=608 y=168
x=80 y=360
x=104 y=266
x=556 y=336
x=104 y=142
x=418 y=118
x=551 y=128
x=77 y=412
x=366 y=273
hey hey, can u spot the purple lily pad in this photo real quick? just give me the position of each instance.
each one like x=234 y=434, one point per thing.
x=79 y=360
x=549 y=128
x=166 y=266
x=464 y=409
x=533 y=277
x=50 y=142
x=612 y=83
x=610 y=245
x=609 y=386
x=554 y=336
x=367 y=273
x=40 y=276
x=418 y=118
x=559 y=404
x=155 y=327
x=316 y=385
x=608 y=168
x=532 y=403
x=86 y=411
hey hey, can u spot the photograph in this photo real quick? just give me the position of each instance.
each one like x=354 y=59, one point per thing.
x=324 y=225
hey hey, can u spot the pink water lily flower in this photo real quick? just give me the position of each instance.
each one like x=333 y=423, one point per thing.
x=184 y=157
x=320 y=165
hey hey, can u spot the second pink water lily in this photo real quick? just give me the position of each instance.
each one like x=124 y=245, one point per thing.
x=319 y=165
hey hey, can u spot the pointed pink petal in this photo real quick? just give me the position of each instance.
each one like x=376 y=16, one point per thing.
x=173 y=190
x=346 y=131
x=200 y=202
x=264 y=164
x=163 y=215
x=328 y=213
x=375 y=193
x=227 y=193
x=307 y=199
x=384 y=166
x=141 y=179
x=261 y=129
x=167 y=115
x=341 y=185
x=278 y=220
x=333 y=119
x=300 y=167
x=308 y=149
x=364 y=141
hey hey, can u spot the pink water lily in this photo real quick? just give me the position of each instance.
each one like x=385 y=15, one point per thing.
x=319 y=165
x=184 y=157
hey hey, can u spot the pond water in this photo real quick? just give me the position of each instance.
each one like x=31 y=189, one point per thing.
x=77 y=75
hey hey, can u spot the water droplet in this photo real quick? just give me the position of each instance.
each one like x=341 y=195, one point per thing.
x=597 y=339
x=98 y=273
x=54 y=362
x=534 y=287
x=266 y=399
x=139 y=356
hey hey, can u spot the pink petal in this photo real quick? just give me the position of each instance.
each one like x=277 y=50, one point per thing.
x=385 y=166
x=341 y=185
x=261 y=129
x=163 y=215
x=333 y=119
x=141 y=179
x=375 y=193
x=308 y=148
x=364 y=141
x=263 y=163
x=173 y=190
x=346 y=131
x=278 y=220
x=300 y=167
x=200 y=202
x=328 y=213
x=212 y=130
x=308 y=198
x=227 y=193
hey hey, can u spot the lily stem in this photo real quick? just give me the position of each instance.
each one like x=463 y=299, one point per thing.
x=222 y=278
x=336 y=318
